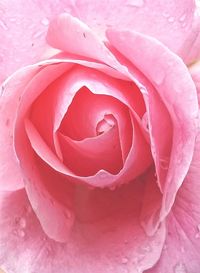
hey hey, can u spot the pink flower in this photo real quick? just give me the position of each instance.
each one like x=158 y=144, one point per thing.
x=100 y=138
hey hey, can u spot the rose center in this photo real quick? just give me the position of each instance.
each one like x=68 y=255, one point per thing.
x=107 y=123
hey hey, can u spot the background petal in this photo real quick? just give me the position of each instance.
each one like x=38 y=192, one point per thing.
x=23 y=27
x=181 y=252
x=24 y=24
x=175 y=23
x=106 y=237
x=177 y=91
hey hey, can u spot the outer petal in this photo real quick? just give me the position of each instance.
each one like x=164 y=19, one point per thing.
x=23 y=28
x=182 y=249
x=174 y=23
x=195 y=73
x=107 y=236
x=8 y=159
x=70 y=35
x=39 y=195
x=23 y=36
x=171 y=79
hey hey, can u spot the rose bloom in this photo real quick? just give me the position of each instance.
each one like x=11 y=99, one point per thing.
x=99 y=137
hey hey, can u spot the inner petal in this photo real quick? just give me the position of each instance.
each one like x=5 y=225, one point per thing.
x=91 y=114
x=89 y=134
x=105 y=124
x=86 y=157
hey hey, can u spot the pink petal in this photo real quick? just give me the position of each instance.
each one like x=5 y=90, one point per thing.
x=43 y=108
x=88 y=156
x=25 y=154
x=106 y=237
x=25 y=34
x=171 y=79
x=93 y=152
x=176 y=24
x=71 y=35
x=23 y=29
x=44 y=203
x=9 y=100
x=194 y=71
x=12 y=96
x=87 y=110
x=104 y=85
x=182 y=248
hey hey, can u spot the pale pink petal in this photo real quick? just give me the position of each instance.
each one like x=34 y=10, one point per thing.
x=152 y=200
x=176 y=23
x=181 y=252
x=44 y=203
x=172 y=81
x=43 y=108
x=13 y=96
x=25 y=34
x=106 y=237
x=9 y=101
x=69 y=34
x=23 y=29
x=195 y=73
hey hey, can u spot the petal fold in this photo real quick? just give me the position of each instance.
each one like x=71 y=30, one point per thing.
x=171 y=79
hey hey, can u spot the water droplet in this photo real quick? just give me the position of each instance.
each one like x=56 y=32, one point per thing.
x=102 y=175
x=3 y=25
x=22 y=222
x=12 y=19
x=135 y=3
x=38 y=34
x=180 y=268
x=126 y=241
x=171 y=19
x=164 y=247
x=184 y=24
x=146 y=248
x=182 y=249
x=45 y=21
x=197 y=235
x=21 y=233
x=158 y=76
x=2 y=89
x=7 y=122
x=139 y=270
x=182 y=18
x=112 y=188
x=166 y=14
x=124 y=260
x=145 y=122
x=143 y=90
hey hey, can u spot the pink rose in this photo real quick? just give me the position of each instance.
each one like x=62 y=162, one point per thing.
x=100 y=138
